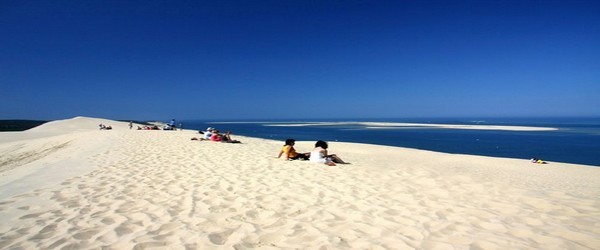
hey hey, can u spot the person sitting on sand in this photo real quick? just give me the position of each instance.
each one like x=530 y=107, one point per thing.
x=149 y=128
x=199 y=139
x=290 y=152
x=202 y=137
x=319 y=154
x=208 y=133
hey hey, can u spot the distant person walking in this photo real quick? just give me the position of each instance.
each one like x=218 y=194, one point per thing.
x=130 y=124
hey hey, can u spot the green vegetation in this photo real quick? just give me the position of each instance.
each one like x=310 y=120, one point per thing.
x=19 y=125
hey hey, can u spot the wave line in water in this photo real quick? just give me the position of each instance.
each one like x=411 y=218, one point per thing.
x=391 y=125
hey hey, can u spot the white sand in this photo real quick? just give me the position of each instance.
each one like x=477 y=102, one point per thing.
x=67 y=185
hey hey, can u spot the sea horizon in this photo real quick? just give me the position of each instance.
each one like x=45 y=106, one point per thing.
x=576 y=139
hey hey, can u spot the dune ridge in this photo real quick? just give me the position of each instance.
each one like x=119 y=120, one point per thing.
x=125 y=189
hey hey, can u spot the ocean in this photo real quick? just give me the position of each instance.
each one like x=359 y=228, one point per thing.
x=574 y=140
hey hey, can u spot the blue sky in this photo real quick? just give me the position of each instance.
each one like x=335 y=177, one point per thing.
x=298 y=59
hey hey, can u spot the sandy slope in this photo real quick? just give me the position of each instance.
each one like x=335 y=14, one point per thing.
x=68 y=185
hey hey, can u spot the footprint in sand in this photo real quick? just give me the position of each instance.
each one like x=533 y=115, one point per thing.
x=46 y=232
x=6 y=202
x=123 y=230
x=29 y=216
x=220 y=238
x=85 y=235
x=108 y=221
x=271 y=238
x=149 y=245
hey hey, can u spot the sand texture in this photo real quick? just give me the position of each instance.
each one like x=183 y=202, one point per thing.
x=68 y=185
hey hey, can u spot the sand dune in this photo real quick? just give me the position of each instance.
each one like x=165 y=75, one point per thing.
x=67 y=185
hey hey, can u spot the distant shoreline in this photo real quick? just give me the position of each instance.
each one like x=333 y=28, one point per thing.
x=560 y=140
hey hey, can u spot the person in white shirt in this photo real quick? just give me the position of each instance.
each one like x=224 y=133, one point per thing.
x=320 y=155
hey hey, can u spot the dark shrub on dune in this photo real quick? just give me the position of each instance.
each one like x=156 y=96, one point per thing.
x=19 y=125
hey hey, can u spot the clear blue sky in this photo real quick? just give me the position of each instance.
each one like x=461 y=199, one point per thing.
x=298 y=59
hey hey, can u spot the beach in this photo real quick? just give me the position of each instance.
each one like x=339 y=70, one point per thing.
x=69 y=185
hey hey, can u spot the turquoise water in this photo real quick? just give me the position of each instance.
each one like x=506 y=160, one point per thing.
x=576 y=140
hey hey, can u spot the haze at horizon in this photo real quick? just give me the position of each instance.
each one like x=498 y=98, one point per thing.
x=299 y=59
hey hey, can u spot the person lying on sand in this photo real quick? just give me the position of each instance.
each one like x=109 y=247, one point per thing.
x=218 y=137
x=319 y=154
x=104 y=127
x=290 y=152
x=538 y=161
x=148 y=128
x=205 y=135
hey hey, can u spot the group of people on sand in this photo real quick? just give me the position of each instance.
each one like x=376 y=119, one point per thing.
x=212 y=134
x=319 y=154
x=169 y=126
x=154 y=127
